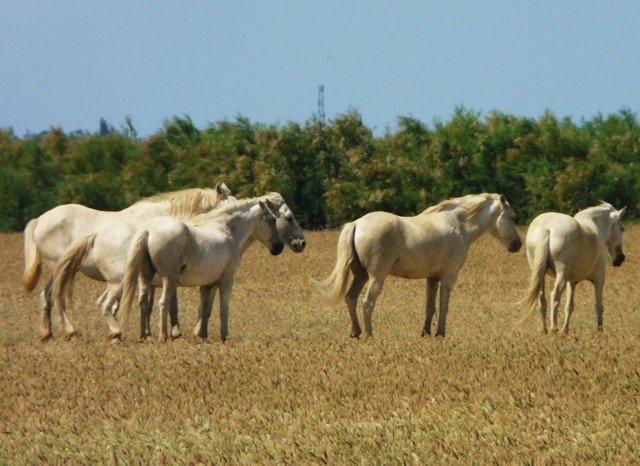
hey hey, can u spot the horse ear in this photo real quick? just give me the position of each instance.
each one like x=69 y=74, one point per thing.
x=223 y=190
x=622 y=211
x=271 y=205
x=503 y=199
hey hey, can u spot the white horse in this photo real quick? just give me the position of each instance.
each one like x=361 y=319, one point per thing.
x=47 y=237
x=204 y=252
x=573 y=249
x=431 y=245
x=104 y=254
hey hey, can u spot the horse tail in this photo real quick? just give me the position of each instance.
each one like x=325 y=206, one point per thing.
x=32 y=265
x=138 y=252
x=334 y=287
x=67 y=267
x=538 y=271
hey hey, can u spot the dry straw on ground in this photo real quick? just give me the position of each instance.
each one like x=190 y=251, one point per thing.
x=291 y=387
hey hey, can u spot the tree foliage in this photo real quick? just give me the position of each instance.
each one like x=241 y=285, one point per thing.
x=332 y=172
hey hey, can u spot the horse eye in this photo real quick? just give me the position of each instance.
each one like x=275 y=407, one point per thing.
x=289 y=218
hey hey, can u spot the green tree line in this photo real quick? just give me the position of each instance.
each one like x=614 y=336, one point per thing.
x=334 y=171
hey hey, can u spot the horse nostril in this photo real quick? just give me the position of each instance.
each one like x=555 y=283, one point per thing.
x=617 y=262
x=515 y=246
x=277 y=248
x=297 y=245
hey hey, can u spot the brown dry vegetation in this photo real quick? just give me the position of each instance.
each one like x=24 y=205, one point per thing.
x=291 y=387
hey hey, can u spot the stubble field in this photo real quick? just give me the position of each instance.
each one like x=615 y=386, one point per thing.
x=291 y=387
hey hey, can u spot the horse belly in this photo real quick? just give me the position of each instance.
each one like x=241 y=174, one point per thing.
x=422 y=264
x=201 y=274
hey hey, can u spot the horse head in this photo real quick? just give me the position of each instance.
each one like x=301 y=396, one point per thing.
x=614 y=239
x=267 y=231
x=504 y=227
x=286 y=222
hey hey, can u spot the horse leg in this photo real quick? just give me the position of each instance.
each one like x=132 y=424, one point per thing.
x=432 y=292
x=196 y=330
x=556 y=293
x=206 y=304
x=225 y=295
x=445 y=292
x=598 y=286
x=145 y=301
x=151 y=298
x=168 y=290
x=69 y=331
x=543 y=308
x=351 y=298
x=106 y=302
x=46 y=301
x=173 y=314
x=569 y=306
x=373 y=291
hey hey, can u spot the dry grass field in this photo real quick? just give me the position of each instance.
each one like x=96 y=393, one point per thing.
x=290 y=386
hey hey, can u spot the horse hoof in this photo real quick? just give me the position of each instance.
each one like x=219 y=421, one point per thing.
x=426 y=333
x=114 y=337
x=72 y=336
x=175 y=334
x=46 y=337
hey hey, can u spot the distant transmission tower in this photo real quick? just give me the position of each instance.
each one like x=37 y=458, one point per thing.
x=321 y=102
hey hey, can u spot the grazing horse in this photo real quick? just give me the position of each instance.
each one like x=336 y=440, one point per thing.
x=431 y=245
x=204 y=252
x=47 y=237
x=573 y=249
x=104 y=254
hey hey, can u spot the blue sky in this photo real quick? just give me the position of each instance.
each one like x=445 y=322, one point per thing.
x=70 y=63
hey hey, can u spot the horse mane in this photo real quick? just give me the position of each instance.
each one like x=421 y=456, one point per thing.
x=472 y=204
x=223 y=211
x=186 y=202
x=603 y=207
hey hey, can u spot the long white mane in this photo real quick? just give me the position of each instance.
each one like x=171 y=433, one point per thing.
x=596 y=211
x=223 y=211
x=186 y=202
x=472 y=204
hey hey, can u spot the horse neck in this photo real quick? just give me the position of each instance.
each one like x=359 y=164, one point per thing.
x=478 y=225
x=242 y=228
x=598 y=225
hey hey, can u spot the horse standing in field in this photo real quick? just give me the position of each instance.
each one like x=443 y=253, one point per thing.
x=431 y=245
x=47 y=237
x=104 y=254
x=204 y=252
x=573 y=249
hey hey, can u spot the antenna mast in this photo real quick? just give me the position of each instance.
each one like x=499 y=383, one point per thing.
x=321 y=102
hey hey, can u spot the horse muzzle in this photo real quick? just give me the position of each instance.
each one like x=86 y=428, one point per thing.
x=277 y=248
x=298 y=245
x=515 y=245
x=619 y=259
